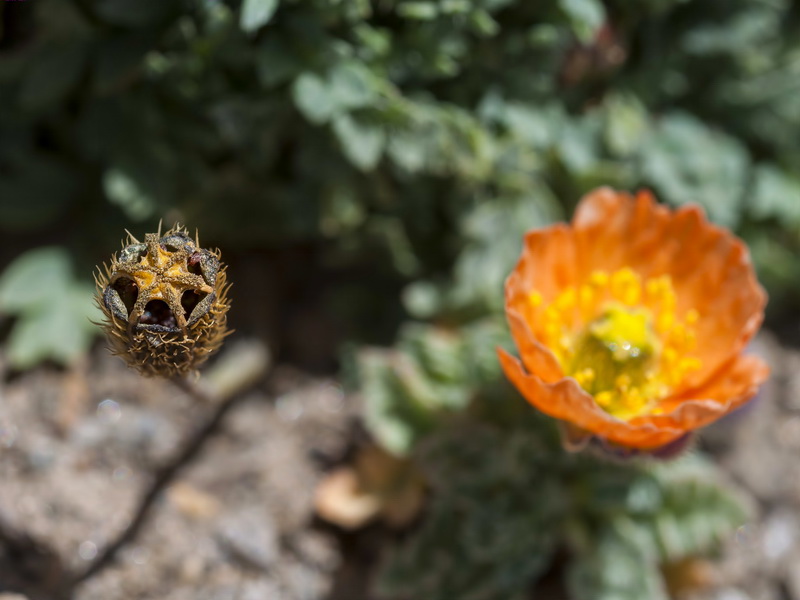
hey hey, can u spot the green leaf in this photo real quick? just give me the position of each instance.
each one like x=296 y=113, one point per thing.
x=394 y=236
x=484 y=24
x=397 y=407
x=493 y=233
x=423 y=299
x=697 y=513
x=34 y=279
x=256 y=14
x=343 y=211
x=312 y=97
x=59 y=330
x=125 y=192
x=352 y=85
x=420 y=11
x=438 y=352
x=586 y=17
x=376 y=41
x=362 y=143
x=618 y=567
x=776 y=195
x=733 y=36
x=432 y=374
x=577 y=143
x=53 y=311
x=407 y=150
x=626 y=124
x=535 y=126
x=689 y=162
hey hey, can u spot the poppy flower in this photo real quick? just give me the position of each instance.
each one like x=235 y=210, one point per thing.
x=631 y=321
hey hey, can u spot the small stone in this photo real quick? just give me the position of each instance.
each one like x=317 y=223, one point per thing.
x=779 y=535
x=317 y=550
x=789 y=433
x=258 y=590
x=192 y=569
x=192 y=502
x=730 y=594
x=250 y=538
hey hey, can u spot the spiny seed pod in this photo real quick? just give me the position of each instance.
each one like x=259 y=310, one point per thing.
x=165 y=302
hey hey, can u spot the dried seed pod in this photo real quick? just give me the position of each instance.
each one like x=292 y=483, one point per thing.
x=165 y=303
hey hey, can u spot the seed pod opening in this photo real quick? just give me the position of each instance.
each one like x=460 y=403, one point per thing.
x=165 y=303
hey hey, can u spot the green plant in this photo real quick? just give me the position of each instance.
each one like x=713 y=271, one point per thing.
x=506 y=498
x=52 y=308
x=397 y=137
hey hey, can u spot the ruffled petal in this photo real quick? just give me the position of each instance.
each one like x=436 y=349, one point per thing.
x=547 y=265
x=535 y=356
x=566 y=400
x=727 y=390
x=710 y=268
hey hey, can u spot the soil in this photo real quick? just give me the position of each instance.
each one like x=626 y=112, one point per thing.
x=233 y=519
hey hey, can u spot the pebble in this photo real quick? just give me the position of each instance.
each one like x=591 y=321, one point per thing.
x=250 y=538
x=780 y=535
x=193 y=502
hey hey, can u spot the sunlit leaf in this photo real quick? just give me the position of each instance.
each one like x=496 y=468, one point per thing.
x=60 y=330
x=256 y=13
x=312 y=97
x=776 y=195
x=362 y=143
x=34 y=279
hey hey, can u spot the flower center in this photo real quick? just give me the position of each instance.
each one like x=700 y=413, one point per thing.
x=615 y=359
x=620 y=338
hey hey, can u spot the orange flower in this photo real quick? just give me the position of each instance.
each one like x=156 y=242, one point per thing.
x=631 y=321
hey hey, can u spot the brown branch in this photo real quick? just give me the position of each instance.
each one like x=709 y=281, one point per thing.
x=166 y=475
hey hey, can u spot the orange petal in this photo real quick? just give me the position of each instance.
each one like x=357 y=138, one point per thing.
x=727 y=390
x=537 y=358
x=710 y=268
x=547 y=265
x=565 y=400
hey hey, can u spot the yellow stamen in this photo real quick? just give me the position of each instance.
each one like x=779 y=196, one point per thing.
x=567 y=300
x=621 y=339
x=604 y=399
x=599 y=279
x=585 y=377
x=626 y=286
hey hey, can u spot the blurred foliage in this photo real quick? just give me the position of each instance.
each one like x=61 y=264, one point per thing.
x=430 y=376
x=507 y=500
x=416 y=138
x=53 y=309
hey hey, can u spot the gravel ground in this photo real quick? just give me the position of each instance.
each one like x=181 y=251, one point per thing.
x=78 y=449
